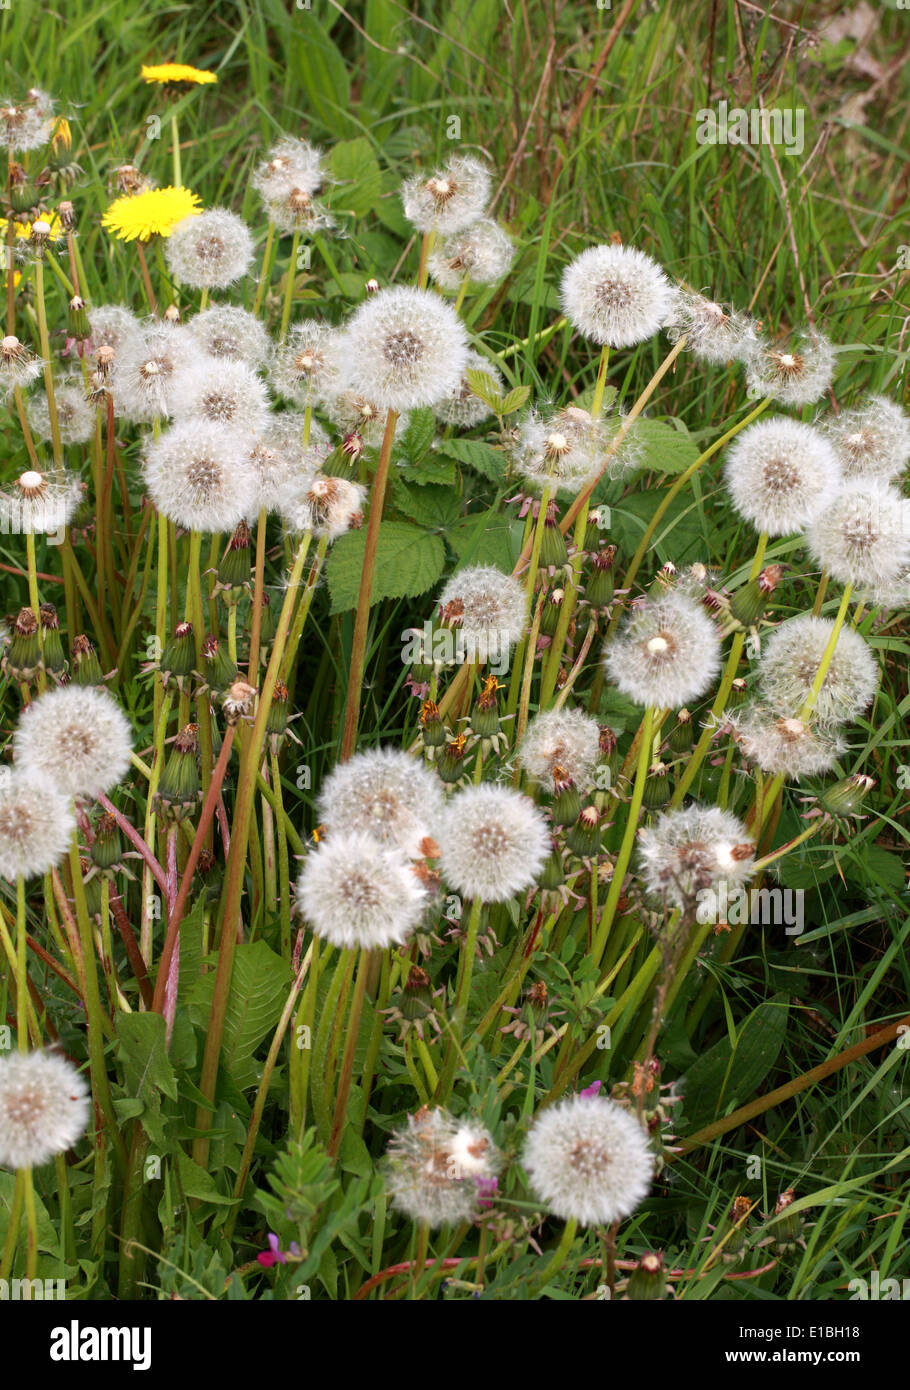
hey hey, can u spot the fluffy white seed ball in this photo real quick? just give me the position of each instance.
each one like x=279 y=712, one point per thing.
x=405 y=348
x=667 y=653
x=209 y=251
x=781 y=474
x=354 y=891
x=44 y=1108
x=36 y=825
x=589 y=1160
x=615 y=295
x=76 y=737
x=387 y=794
x=200 y=476
x=789 y=664
x=493 y=842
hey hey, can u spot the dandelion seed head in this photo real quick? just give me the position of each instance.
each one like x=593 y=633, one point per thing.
x=75 y=417
x=76 y=737
x=36 y=504
x=219 y=392
x=200 y=476
x=36 y=825
x=561 y=738
x=863 y=536
x=784 y=745
x=404 y=348
x=482 y=254
x=226 y=332
x=24 y=126
x=781 y=474
x=18 y=364
x=308 y=365
x=790 y=660
x=462 y=408
x=210 y=251
x=386 y=794
x=562 y=453
x=667 y=653
x=714 y=332
x=355 y=892
x=353 y=413
x=795 y=373
x=493 y=842
x=433 y=1166
x=872 y=441
x=688 y=851
x=113 y=326
x=488 y=609
x=290 y=164
x=615 y=295
x=44 y=1108
x=450 y=199
x=147 y=370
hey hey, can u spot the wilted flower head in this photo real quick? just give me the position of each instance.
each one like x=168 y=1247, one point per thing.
x=44 y=1108
x=146 y=371
x=667 y=653
x=217 y=392
x=298 y=211
x=211 y=251
x=781 y=474
x=488 y=609
x=450 y=199
x=589 y=1160
x=36 y=825
x=324 y=505
x=784 y=745
x=863 y=536
x=18 y=365
x=714 y=333
x=872 y=441
x=565 y=739
x=387 y=794
x=794 y=373
x=25 y=125
x=482 y=254
x=355 y=414
x=75 y=417
x=308 y=364
x=493 y=842
x=463 y=408
x=563 y=453
x=789 y=664
x=200 y=476
x=405 y=348
x=77 y=737
x=354 y=891
x=114 y=326
x=227 y=332
x=290 y=164
x=35 y=504
x=615 y=295
x=687 y=851
x=434 y=1168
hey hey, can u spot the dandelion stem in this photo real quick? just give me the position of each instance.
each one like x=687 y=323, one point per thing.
x=625 y=851
x=347 y=1063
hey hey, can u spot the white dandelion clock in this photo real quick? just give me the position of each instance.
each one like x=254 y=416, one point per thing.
x=794 y=373
x=405 y=348
x=863 y=537
x=563 y=739
x=781 y=474
x=36 y=504
x=667 y=653
x=714 y=333
x=285 y=434
x=200 y=476
x=308 y=365
x=790 y=661
x=44 y=1108
x=24 y=126
x=291 y=163
x=433 y=1168
x=36 y=825
x=225 y=393
x=615 y=295
x=450 y=199
x=694 y=850
x=298 y=211
x=493 y=842
x=147 y=370
x=487 y=610
x=326 y=506
x=75 y=417
x=872 y=441
x=229 y=333
x=481 y=254
x=387 y=794
x=113 y=326
x=209 y=250
x=588 y=1160
x=355 y=892
x=19 y=366
x=355 y=414
x=76 y=737
x=561 y=454
x=784 y=745
x=463 y=408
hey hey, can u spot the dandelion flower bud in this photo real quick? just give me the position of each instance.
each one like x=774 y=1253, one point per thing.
x=863 y=536
x=227 y=332
x=615 y=295
x=308 y=364
x=561 y=738
x=667 y=654
x=561 y=454
x=481 y=254
x=489 y=610
x=493 y=842
x=463 y=408
x=435 y=1167
x=794 y=373
x=405 y=348
x=75 y=417
x=713 y=333
x=326 y=506
x=291 y=163
x=872 y=441
x=386 y=794
x=450 y=199
x=147 y=370
x=354 y=891
x=210 y=251
x=781 y=474
x=199 y=475
x=790 y=661
x=589 y=1160
x=690 y=851
x=77 y=737
x=229 y=394
x=113 y=326
x=44 y=1108
x=784 y=746
x=36 y=825
x=18 y=366
x=36 y=505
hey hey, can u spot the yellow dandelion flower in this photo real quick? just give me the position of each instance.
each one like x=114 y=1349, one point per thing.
x=24 y=229
x=177 y=72
x=153 y=213
x=62 y=138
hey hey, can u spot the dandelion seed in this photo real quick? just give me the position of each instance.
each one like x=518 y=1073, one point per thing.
x=36 y=825
x=354 y=891
x=326 y=506
x=76 y=737
x=781 y=475
x=667 y=653
x=298 y=211
x=35 y=504
x=290 y=164
x=75 y=417
x=615 y=295
x=154 y=212
x=307 y=366
x=567 y=739
x=488 y=609
x=436 y=1167
x=493 y=842
x=790 y=661
x=200 y=476
x=795 y=373
x=386 y=794
x=24 y=127
x=449 y=200
x=872 y=441
x=146 y=372
x=714 y=333
x=692 y=850
x=44 y=1108
x=589 y=1160
x=481 y=254
x=405 y=348
x=784 y=746
x=863 y=536
x=232 y=334
x=222 y=393
x=561 y=454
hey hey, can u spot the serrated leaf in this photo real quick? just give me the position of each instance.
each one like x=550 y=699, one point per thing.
x=485 y=387
x=418 y=437
x=483 y=458
x=408 y=562
x=515 y=399
x=432 y=506
x=666 y=448
x=432 y=468
x=147 y=1070
x=199 y=1184
x=260 y=982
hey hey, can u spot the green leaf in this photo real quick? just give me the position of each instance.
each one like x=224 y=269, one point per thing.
x=667 y=448
x=726 y=1075
x=354 y=165
x=196 y=1182
x=483 y=458
x=485 y=387
x=432 y=468
x=323 y=75
x=486 y=538
x=147 y=1070
x=418 y=437
x=408 y=562
x=259 y=987
x=432 y=506
x=515 y=399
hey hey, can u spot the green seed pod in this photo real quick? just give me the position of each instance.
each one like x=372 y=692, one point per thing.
x=846 y=797
x=178 y=660
x=566 y=799
x=277 y=722
x=107 y=846
x=86 y=666
x=682 y=735
x=552 y=875
x=549 y=613
x=648 y=1280
x=234 y=569
x=220 y=672
x=77 y=324
x=22 y=661
x=54 y=656
x=599 y=583
x=432 y=729
x=657 y=787
x=451 y=762
x=584 y=838
x=553 y=552
x=179 y=790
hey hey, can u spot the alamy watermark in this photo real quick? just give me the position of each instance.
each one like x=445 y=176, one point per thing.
x=757 y=906
x=758 y=126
